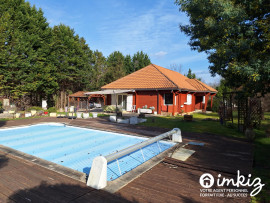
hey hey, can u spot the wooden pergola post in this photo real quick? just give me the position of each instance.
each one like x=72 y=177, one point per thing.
x=136 y=100
x=206 y=100
x=212 y=97
x=78 y=103
x=173 y=103
x=87 y=104
x=158 y=107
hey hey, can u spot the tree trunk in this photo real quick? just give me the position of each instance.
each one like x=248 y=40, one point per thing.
x=65 y=100
x=61 y=99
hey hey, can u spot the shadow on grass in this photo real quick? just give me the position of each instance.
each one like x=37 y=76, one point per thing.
x=261 y=166
x=63 y=193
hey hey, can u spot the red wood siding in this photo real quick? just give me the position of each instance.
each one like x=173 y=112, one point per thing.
x=108 y=102
x=206 y=100
x=155 y=98
x=148 y=98
x=159 y=103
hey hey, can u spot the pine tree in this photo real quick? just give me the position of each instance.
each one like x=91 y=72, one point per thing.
x=71 y=58
x=116 y=69
x=24 y=41
x=191 y=75
x=128 y=64
x=99 y=71
x=140 y=60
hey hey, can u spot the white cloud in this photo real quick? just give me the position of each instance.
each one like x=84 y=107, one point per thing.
x=148 y=30
x=160 y=54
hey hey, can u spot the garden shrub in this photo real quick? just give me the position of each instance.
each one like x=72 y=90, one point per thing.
x=52 y=109
x=215 y=105
x=111 y=108
x=37 y=108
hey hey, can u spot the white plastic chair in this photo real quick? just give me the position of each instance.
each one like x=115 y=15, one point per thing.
x=133 y=108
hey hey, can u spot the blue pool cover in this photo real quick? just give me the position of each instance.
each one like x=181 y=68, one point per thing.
x=76 y=147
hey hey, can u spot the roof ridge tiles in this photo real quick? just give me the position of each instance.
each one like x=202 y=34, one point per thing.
x=201 y=83
x=205 y=85
x=165 y=75
x=156 y=77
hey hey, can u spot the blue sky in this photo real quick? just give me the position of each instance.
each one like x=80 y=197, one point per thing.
x=129 y=26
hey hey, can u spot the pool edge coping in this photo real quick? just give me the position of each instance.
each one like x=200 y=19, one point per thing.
x=71 y=173
x=113 y=186
x=122 y=181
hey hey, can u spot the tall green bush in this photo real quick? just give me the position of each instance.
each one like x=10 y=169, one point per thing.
x=215 y=104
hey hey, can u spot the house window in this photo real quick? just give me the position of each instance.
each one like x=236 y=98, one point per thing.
x=189 y=99
x=168 y=99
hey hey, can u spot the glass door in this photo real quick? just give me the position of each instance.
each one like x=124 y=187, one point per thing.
x=119 y=100
x=124 y=105
x=122 y=101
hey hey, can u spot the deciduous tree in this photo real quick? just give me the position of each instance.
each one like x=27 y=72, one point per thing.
x=236 y=37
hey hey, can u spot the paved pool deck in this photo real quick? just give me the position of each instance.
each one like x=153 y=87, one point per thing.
x=169 y=181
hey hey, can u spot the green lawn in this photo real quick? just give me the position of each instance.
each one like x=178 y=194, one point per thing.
x=9 y=119
x=261 y=143
x=262 y=160
x=62 y=113
x=198 y=124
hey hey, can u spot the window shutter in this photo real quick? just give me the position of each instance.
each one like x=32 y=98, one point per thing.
x=189 y=99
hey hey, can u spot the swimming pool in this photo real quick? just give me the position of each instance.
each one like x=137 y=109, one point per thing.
x=76 y=147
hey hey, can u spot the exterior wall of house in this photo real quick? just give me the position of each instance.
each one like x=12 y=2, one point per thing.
x=148 y=98
x=112 y=99
x=108 y=99
x=155 y=99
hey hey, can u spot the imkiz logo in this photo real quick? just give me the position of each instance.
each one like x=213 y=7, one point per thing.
x=207 y=180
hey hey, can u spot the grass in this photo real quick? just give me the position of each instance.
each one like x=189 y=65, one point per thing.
x=9 y=119
x=261 y=143
x=261 y=157
x=102 y=115
x=62 y=113
x=198 y=125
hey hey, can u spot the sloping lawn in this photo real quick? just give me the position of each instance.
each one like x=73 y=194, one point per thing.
x=261 y=166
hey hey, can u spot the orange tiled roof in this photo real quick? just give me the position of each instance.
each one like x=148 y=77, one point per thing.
x=156 y=77
x=78 y=94
x=200 y=86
